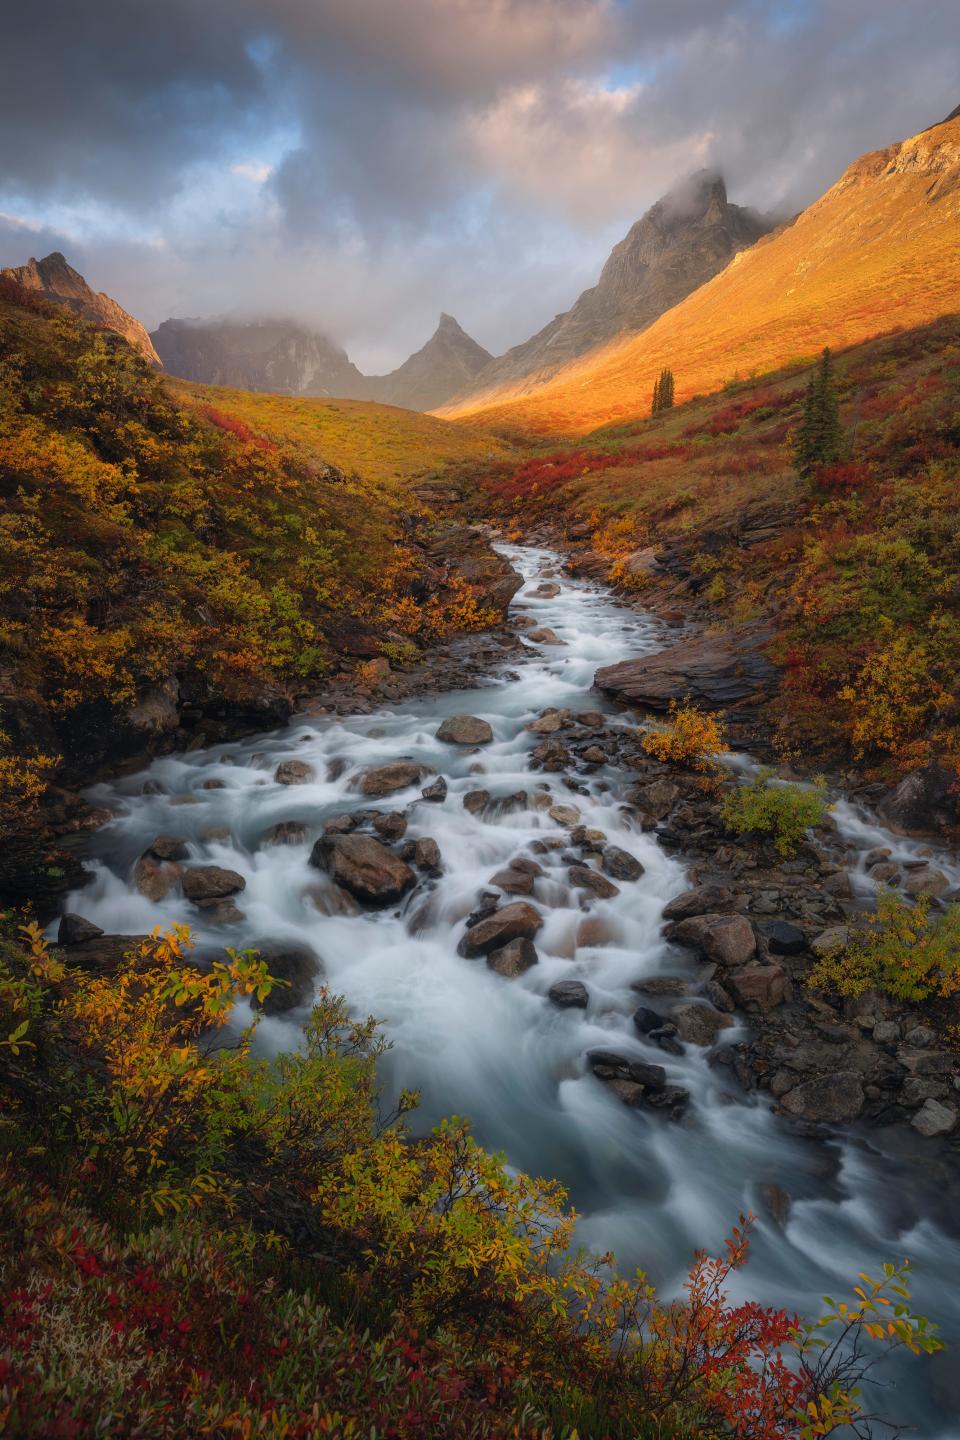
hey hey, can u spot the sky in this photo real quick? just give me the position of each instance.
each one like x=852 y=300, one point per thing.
x=361 y=165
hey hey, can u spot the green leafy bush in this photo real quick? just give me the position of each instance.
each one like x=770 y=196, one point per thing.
x=903 y=950
x=782 y=812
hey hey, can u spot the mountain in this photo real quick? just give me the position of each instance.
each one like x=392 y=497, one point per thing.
x=55 y=280
x=880 y=249
x=680 y=243
x=446 y=365
x=273 y=355
x=287 y=359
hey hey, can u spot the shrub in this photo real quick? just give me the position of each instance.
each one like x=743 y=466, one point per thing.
x=782 y=812
x=691 y=738
x=903 y=950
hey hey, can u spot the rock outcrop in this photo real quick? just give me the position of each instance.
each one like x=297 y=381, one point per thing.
x=58 y=282
x=718 y=671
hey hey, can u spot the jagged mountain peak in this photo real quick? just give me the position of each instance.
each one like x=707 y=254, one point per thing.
x=683 y=240
x=56 y=280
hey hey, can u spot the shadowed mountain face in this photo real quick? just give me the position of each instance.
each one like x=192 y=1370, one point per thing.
x=274 y=355
x=679 y=244
x=55 y=280
x=444 y=366
x=280 y=356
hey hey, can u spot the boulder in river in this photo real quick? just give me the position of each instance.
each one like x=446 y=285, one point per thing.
x=728 y=939
x=569 y=995
x=436 y=790
x=564 y=814
x=656 y=799
x=465 y=730
x=544 y=636
x=211 y=882
x=517 y=921
x=717 y=670
x=620 y=863
x=925 y=802
x=583 y=878
x=386 y=779
x=548 y=722
x=513 y=882
x=934 y=1118
x=156 y=878
x=75 y=929
x=926 y=881
x=167 y=847
x=363 y=867
x=762 y=985
x=701 y=900
x=834 y=1099
x=699 y=1024
x=513 y=958
x=294 y=772
x=426 y=855
x=298 y=966
x=476 y=801
x=287 y=832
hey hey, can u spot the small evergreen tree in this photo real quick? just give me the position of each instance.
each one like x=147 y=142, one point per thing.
x=818 y=439
x=662 y=392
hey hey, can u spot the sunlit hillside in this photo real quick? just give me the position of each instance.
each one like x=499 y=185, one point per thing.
x=880 y=250
x=381 y=442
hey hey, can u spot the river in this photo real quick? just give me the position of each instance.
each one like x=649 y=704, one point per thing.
x=497 y=1050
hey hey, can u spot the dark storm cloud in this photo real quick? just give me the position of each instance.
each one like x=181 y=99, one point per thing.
x=368 y=162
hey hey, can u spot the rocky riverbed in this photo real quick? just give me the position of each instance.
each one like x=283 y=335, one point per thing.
x=565 y=945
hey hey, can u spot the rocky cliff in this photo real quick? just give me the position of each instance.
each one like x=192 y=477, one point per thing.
x=274 y=355
x=679 y=244
x=55 y=280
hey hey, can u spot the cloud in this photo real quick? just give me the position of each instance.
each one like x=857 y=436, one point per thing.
x=363 y=164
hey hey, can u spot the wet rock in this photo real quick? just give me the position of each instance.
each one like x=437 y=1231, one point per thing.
x=386 y=779
x=783 y=938
x=718 y=670
x=934 y=1118
x=513 y=882
x=728 y=939
x=363 y=867
x=593 y=755
x=213 y=785
x=525 y=865
x=762 y=985
x=620 y=863
x=594 y=932
x=517 y=921
x=426 y=855
x=583 y=878
x=392 y=826
x=701 y=900
x=549 y=722
x=662 y=985
x=655 y=800
x=924 y=802
x=75 y=930
x=719 y=998
x=544 y=636
x=294 y=772
x=437 y=791
x=551 y=755
x=672 y=1098
x=838 y=884
x=609 y=1065
x=341 y=824
x=465 y=730
x=776 y=1202
x=645 y=1020
x=546 y=591
x=288 y=832
x=167 y=847
x=513 y=959
x=586 y=838
x=926 y=882
x=222 y=911
x=884 y=872
x=699 y=1024
x=211 y=882
x=835 y=1099
x=299 y=966
x=564 y=814
x=156 y=878
x=476 y=801
x=509 y=804
x=569 y=995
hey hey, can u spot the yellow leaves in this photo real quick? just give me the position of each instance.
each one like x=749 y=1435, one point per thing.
x=23 y=781
x=691 y=738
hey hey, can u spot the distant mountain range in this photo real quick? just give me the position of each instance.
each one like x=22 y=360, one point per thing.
x=282 y=356
x=55 y=280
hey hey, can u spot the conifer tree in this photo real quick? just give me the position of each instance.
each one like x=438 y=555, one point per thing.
x=818 y=438
x=662 y=392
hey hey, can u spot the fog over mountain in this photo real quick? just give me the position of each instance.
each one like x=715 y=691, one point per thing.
x=363 y=167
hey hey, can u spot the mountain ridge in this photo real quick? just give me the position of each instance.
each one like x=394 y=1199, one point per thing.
x=55 y=279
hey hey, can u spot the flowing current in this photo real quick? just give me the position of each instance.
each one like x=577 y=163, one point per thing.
x=497 y=1050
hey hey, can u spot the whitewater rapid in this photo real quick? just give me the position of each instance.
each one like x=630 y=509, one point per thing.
x=496 y=1050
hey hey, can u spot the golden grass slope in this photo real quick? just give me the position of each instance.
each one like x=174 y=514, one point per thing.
x=879 y=250
x=381 y=442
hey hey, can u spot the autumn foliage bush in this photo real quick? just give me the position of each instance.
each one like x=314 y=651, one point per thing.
x=691 y=738
x=904 y=950
x=197 y=1240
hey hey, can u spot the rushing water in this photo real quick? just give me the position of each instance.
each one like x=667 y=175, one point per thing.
x=496 y=1050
